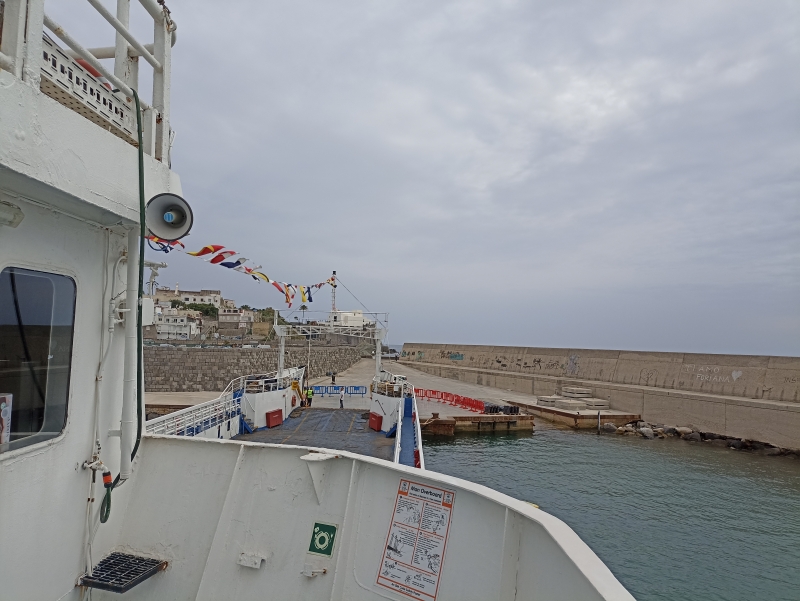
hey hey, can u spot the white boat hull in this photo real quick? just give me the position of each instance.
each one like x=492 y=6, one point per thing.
x=204 y=505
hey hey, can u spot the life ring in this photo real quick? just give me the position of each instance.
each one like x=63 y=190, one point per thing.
x=94 y=72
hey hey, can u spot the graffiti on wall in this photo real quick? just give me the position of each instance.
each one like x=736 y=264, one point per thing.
x=573 y=367
x=711 y=373
x=648 y=376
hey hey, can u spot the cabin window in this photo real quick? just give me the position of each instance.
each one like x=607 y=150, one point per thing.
x=37 y=314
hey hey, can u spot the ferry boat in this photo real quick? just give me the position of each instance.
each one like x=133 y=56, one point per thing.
x=95 y=503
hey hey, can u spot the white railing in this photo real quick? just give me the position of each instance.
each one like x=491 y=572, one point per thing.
x=194 y=420
x=248 y=410
x=418 y=433
x=22 y=48
x=398 y=433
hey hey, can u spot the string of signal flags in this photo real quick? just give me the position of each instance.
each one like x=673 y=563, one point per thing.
x=218 y=255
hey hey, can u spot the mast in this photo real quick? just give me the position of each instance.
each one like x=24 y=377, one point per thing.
x=333 y=292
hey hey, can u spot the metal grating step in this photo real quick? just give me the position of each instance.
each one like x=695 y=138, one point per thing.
x=120 y=572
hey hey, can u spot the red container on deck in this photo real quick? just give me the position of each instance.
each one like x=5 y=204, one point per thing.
x=274 y=418
x=375 y=421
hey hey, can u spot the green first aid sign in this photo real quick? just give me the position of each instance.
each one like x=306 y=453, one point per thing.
x=322 y=538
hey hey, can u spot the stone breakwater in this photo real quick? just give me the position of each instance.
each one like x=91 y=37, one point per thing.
x=168 y=369
x=746 y=397
x=693 y=434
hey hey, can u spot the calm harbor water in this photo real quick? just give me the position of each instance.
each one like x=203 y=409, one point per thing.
x=671 y=519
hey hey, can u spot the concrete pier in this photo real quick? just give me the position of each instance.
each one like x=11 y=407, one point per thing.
x=450 y=419
x=743 y=396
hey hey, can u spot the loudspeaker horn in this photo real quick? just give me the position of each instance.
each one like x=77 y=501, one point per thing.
x=168 y=216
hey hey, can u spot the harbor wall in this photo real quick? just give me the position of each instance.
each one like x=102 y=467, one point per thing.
x=744 y=396
x=192 y=369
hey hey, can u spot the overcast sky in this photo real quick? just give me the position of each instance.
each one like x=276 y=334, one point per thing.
x=583 y=174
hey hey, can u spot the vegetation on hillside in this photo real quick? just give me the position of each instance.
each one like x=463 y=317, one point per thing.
x=207 y=310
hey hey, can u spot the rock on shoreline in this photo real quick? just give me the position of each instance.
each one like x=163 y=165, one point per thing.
x=692 y=434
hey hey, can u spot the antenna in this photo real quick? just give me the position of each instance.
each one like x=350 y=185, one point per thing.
x=154 y=267
x=333 y=292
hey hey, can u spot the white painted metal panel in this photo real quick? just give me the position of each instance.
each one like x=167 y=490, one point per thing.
x=198 y=507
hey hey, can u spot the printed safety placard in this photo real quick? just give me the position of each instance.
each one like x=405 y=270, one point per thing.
x=414 y=552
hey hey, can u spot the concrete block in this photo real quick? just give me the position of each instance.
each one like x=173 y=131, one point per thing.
x=548 y=401
x=576 y=390
x=570 y=404
x=592 y=403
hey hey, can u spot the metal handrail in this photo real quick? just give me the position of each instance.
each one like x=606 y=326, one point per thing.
x=398 y=434
x=24 y=46
x=418 y=433
x=252 y=413
x=193 y=420
x=126 y=34
x=61 y=34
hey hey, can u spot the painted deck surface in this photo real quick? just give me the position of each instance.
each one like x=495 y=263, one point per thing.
x=345 y=429
x=407 y=443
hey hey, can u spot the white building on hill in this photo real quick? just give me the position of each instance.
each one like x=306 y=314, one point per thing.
x=171 y=325
x=353 y=319
x=203 y=297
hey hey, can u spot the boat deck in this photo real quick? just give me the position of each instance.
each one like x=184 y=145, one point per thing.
x=341 y=429
x=407 y=440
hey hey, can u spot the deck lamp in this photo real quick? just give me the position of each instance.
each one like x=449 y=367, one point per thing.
x=10 y=214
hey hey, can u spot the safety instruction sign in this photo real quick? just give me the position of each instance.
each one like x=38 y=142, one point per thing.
x=414 y=551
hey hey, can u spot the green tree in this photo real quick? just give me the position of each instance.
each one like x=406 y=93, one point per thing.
x=303 y=308
x=205 y=309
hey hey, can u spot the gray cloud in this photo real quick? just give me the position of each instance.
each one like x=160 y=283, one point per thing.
x=619 y=175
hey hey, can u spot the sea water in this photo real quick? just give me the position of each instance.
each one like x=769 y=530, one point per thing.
x=671 y=519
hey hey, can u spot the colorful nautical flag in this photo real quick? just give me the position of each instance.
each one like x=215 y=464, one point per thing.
x=219 y=258
x=164 y=245
x=257 y=275
x=207 y=250
x=290 y=290
x=234 y=264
